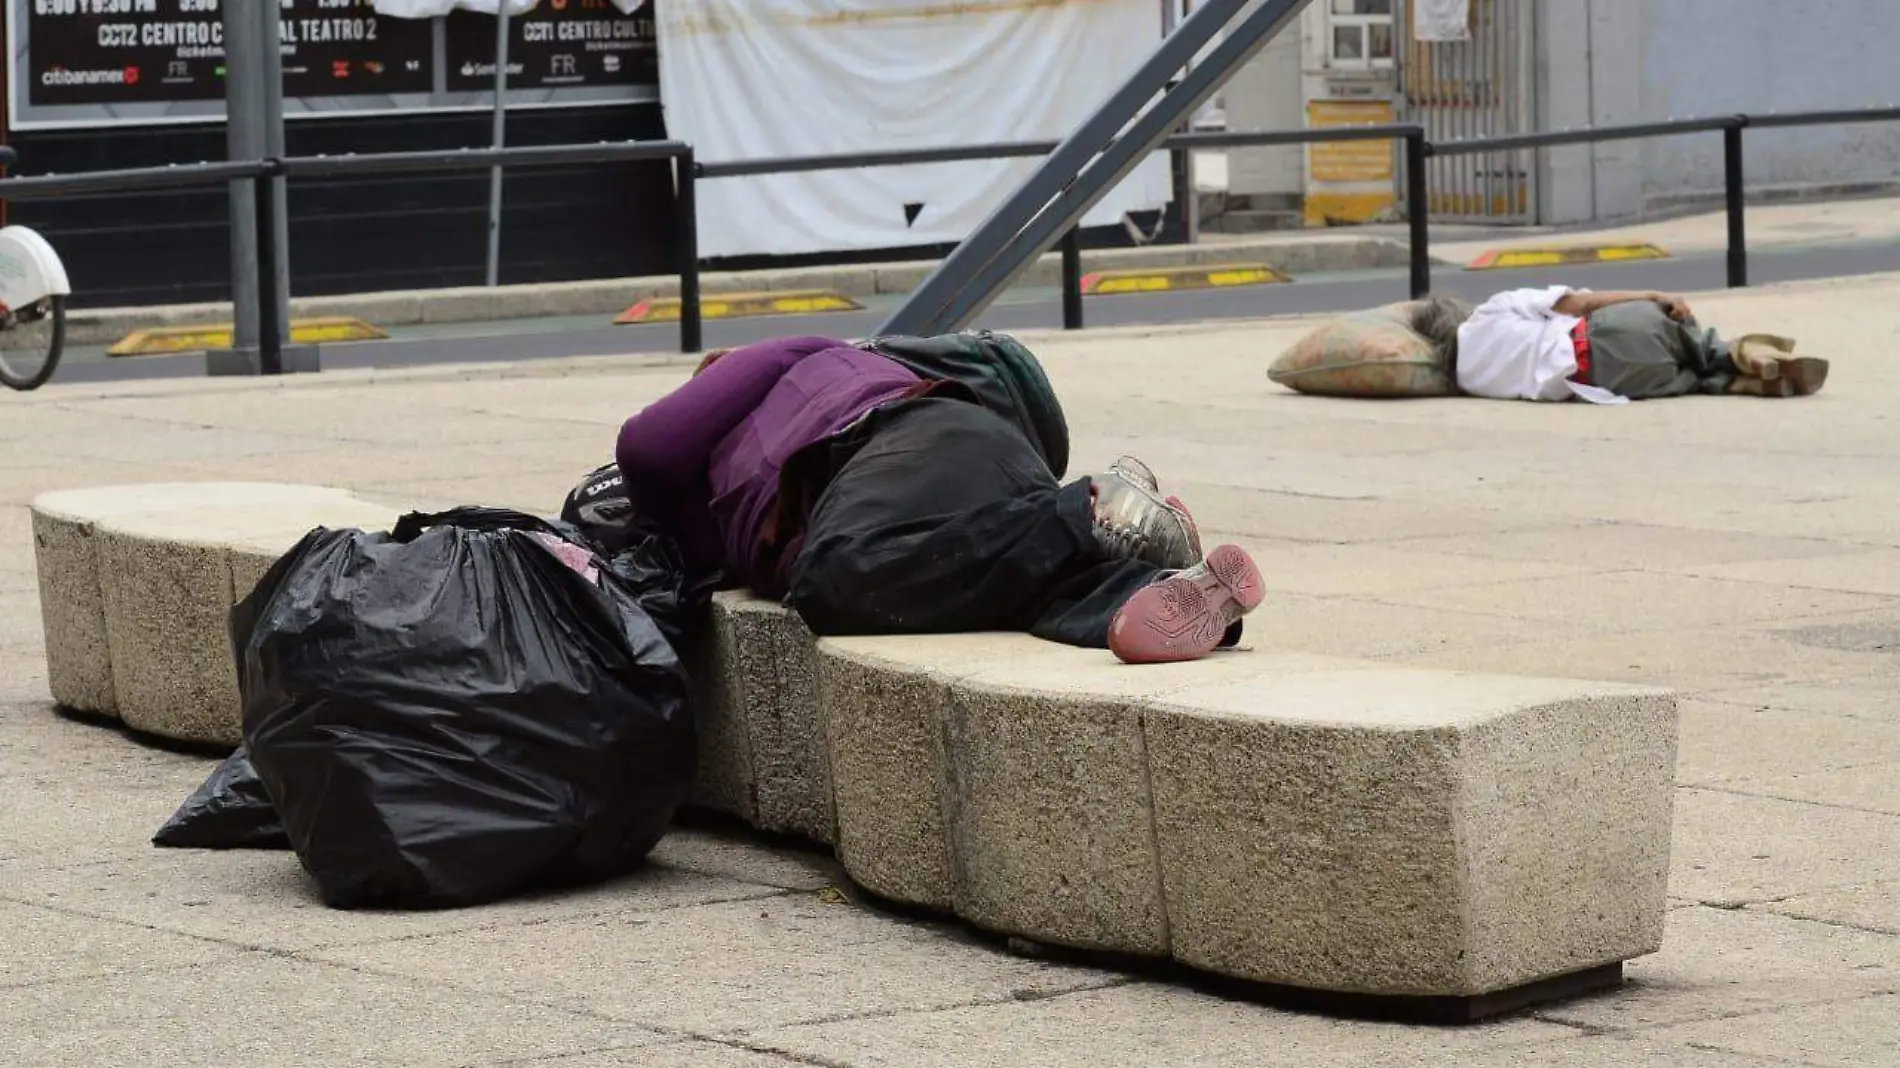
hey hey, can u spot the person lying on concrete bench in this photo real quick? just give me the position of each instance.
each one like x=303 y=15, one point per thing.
x=876 y=502
x=1560 y=343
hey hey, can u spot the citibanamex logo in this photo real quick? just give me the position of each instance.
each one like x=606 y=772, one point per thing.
x=131 y=75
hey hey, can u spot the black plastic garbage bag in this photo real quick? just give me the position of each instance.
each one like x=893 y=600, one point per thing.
x=231 y=810
x=464 y=708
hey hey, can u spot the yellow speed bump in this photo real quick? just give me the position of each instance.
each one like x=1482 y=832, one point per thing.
x=1508 y=258
x=742 y=305
x=1162 y=279
x=170 y=339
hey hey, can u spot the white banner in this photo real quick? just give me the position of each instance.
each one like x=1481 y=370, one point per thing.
x=768 y=79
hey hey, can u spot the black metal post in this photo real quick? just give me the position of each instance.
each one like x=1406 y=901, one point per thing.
x=1072 y=279
x=691 y=335
x=1418 y=213
x=270 y=334
x=1737 y=224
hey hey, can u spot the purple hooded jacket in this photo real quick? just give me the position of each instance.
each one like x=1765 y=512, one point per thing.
x=708 y=455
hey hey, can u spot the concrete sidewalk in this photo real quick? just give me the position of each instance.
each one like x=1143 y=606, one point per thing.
x=1744 y=552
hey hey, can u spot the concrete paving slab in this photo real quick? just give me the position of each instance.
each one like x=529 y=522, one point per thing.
x=1873 y=696
x=1863 y=572
x=1842 y=1034
x=1873 y=906
x=1733 y=849
x=1141 y=1023
x=1685 y=660
x=725 y=968
x=689 y=1054
x=1612 y=599
x=1744 y=747
x=1351 y=518
x=1613 y=1051
x=46 y=945
x=262 y=1009
x=1610 y=546
x=261 y=899
x=1869 y=788
x=784 y=867
x=1376 y=571
x=57 y=771
x=1352 y=626
x=1720 y=963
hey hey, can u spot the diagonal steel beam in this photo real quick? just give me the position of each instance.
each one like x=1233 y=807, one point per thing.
x=1114 y=164
x=1075 y=179
x=1097 y=131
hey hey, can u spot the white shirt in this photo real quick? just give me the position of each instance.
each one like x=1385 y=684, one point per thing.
x=1517 y=346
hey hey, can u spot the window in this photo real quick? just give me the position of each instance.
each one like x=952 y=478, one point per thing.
x=1360 y=34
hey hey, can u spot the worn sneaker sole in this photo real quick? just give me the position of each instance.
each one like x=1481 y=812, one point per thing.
x=1185 y=616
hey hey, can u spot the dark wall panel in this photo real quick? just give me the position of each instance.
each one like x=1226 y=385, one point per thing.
x=364 y=234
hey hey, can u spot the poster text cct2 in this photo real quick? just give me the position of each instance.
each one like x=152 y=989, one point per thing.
x=160 y=51
x=559 y=43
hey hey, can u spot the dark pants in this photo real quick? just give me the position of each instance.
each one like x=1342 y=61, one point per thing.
x=945 y=519
x=1637 y=351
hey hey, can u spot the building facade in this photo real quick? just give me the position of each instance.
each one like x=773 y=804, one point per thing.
x=1555 y=64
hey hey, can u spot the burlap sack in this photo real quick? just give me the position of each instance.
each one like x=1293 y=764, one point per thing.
x=1373 y=353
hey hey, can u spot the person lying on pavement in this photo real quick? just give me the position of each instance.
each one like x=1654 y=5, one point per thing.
x=1560 y=343
x=874 y=501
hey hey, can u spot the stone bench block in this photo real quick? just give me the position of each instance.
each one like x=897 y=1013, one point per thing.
x=72 y=602
x=1395 y=832
x=162 y=566
x=761 y=746
x=1051 y=817
x=1332 y=825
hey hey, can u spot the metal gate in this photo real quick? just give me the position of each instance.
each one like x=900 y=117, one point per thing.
x=1480 y=87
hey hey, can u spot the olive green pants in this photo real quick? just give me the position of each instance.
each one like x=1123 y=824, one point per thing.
x=1638 y=352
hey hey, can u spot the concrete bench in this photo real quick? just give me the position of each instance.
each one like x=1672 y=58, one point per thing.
x=1316 y=823
x=137 y=583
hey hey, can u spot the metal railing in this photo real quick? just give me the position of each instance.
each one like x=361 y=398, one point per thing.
x=1072 y=317
x=1415 y=148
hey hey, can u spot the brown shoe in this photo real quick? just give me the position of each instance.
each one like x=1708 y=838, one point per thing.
x=1807 y=374
x=1799 y=376
x=1758 y=355
x=1771 y=359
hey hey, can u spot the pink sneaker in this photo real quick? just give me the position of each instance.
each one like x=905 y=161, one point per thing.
x=1185 y=615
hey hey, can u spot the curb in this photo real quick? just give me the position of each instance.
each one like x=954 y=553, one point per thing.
x=609 y=297
x=1505 y=259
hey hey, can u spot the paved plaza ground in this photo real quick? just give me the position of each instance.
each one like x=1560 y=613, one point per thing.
x=1743 y=552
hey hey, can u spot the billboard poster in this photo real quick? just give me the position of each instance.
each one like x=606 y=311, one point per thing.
x=162 y=51
x=86 y=63
x=561 y=43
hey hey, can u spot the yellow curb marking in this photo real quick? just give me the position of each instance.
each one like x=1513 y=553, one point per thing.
x=1154 y=280
x=1506 y=259
x=164 y=340
x=741 y=305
